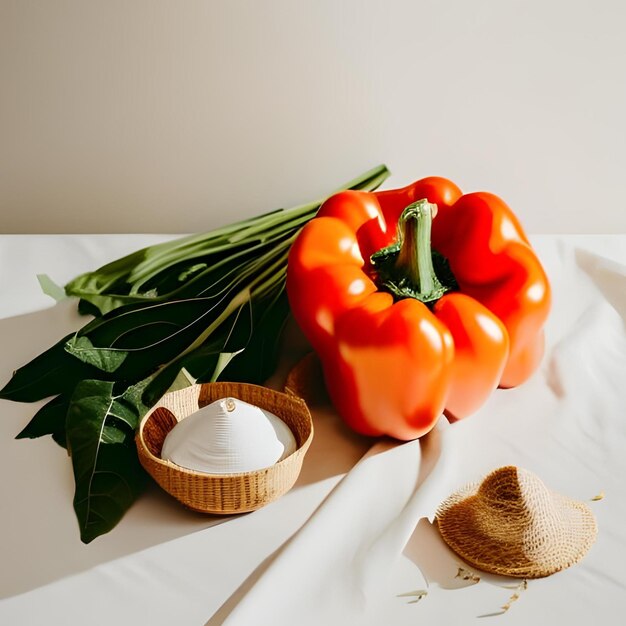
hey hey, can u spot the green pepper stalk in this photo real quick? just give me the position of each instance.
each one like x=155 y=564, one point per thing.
x=407 y=268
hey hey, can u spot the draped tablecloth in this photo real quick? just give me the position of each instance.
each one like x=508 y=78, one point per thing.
x=354 y=536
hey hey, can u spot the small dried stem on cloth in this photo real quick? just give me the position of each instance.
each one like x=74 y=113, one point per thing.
x=514 y=598
x=466 y=574
x=418 y=594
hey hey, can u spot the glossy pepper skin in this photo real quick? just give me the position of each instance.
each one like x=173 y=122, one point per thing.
x=393 y=365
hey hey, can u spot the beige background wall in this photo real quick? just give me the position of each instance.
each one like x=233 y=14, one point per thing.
x=177 y=116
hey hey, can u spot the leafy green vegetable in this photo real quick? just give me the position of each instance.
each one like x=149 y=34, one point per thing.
x=104 y=359
x=49 y=420
x=100 y=437
x=210 y=305
x=161 y=272
x=53 y=372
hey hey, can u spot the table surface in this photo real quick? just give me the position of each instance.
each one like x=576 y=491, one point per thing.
x=354 y=534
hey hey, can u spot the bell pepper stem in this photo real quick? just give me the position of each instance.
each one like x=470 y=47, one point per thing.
x=409 y=268
x=415 y=259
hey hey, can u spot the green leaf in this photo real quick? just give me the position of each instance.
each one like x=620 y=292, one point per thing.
x=49 y=420
x=258 y=361
x=190 y=271
x=106 y=276
x=51 y=373
x=222 y=341
x=98 y=305
x=161 y=381
x=183 y=380
x=60 y=439
x=134 y=329
x=104 y=359
x=154 y=339
x=100 y=435
x=50 y=288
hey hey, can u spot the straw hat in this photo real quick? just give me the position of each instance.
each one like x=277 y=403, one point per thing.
x=512 y=524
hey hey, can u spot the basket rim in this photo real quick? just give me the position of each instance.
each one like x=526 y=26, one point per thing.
x=288 y=460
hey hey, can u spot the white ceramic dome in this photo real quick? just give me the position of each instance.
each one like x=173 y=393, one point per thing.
x=228 y=436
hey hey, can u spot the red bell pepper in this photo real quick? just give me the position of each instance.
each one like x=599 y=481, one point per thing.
x=405 y=333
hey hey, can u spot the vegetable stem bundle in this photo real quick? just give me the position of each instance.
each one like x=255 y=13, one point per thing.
x=197 y=308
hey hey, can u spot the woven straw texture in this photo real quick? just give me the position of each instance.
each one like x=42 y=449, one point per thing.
x=512 y=524
x=223 y=493
x=306 y=380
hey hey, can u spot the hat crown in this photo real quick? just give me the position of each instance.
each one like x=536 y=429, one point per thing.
x=514 y=504
x=501 y=489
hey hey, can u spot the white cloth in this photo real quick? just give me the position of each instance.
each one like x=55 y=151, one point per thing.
x=338 y=549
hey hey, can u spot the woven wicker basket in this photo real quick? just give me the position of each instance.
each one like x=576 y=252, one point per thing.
x=306 y=380
x=223 y=493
